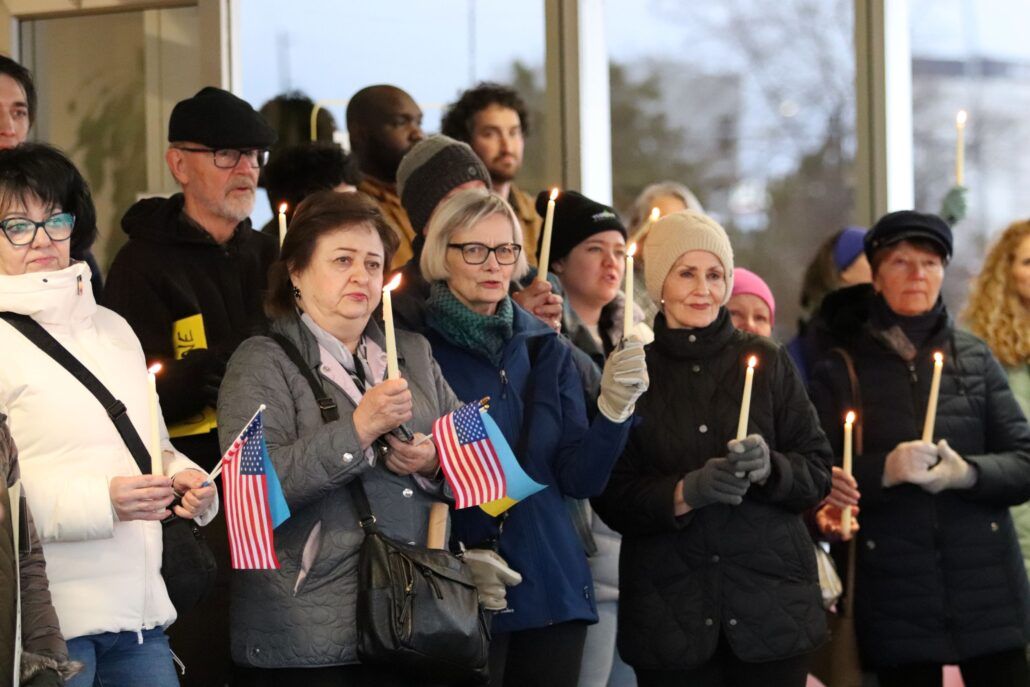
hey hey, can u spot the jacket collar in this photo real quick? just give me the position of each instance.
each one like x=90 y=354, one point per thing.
x=702 y=342
x=62 y=297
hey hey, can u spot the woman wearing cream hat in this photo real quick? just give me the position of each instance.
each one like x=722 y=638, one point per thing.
x=718 y=579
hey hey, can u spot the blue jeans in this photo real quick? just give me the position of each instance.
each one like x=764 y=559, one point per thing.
x=117 y=659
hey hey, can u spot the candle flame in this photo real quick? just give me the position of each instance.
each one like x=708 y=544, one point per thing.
x=394 y=283
x=850 y=417
x=554 y=193
x=655 y=214
x=960 y=118
x=752 y=361
x=632 y=249
x=154 y=369
x=938 y=357
x=282 y=208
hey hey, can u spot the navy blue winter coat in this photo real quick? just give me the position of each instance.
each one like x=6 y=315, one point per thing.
x=563 y=452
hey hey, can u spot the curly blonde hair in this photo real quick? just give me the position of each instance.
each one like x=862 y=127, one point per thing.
x=995 y=311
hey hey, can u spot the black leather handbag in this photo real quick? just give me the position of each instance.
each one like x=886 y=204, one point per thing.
x=187 y=564
x=418 y=610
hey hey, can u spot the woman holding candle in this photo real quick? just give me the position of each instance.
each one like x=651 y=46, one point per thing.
x=488 y=346
x=718 y=579
x=588 y=255
x=939 y=578
x=296 y=625
x=98 y=518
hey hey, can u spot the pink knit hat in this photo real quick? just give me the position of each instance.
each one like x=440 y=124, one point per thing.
x=746 y=281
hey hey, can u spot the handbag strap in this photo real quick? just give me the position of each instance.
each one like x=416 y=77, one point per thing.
x=116 y=410
x=330 y=412
x=852 y=552
x=326 y=405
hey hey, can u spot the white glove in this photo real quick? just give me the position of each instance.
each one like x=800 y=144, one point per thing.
x=492 y=577
x=623 y=381
x=952 y=472
x=910 y=461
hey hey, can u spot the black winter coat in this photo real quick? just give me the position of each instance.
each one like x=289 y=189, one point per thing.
x=939 y=577
x=745 y=571
x=171 y=269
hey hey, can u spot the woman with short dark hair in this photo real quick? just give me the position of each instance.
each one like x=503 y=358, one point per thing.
x=97 y=516
x=939 y=577
x=296 y=625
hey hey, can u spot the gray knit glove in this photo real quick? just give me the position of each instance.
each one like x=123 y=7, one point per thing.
x=714 y=482
x=623 y=381
x=750 y=456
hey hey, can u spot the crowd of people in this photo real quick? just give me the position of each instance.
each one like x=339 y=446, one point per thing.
x=675 y=539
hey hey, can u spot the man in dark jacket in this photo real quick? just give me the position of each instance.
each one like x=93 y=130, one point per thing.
x=190 y=282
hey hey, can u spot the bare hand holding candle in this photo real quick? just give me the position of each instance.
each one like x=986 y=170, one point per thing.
x=393 y=371
x=156 y=463
x=282 y=224
x=627 y=308
x=931 y=404
x=545 y=246
x=845 y=516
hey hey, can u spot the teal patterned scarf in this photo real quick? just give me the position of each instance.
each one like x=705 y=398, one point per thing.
x=468 y=329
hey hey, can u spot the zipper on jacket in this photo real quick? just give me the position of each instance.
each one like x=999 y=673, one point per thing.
x=504 y=383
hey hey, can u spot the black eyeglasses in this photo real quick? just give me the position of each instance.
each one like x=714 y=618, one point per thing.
x=478 y=253
x=228 y=158
x=21 y=231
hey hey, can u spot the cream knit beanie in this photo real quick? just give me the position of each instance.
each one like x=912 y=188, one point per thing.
x=680 y=232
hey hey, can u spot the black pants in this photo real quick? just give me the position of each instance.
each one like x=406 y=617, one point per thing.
x=544 y=657
x=338 y=676
x=724 y=669
x=1003 y=669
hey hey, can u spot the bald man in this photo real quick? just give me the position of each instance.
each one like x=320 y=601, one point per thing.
x=384 y=123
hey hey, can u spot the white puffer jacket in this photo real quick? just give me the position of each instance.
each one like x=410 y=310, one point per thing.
x=104 y=574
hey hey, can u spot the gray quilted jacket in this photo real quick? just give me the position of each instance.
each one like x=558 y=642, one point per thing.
x=302 y=615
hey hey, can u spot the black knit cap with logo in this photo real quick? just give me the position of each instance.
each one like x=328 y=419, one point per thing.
x=576 y=218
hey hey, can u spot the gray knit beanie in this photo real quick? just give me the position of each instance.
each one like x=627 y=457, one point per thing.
x=676 y=234
x=434 y=167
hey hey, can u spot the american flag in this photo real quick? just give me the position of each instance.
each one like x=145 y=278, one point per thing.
x=248 y=511
x=468 y=458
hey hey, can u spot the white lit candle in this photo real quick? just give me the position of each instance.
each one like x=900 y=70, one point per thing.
x=282 y=224
x=393 y=371
x=156 y=464
x=654 y=217
x=545 y=247
x=745 y=402
x=931 y=404
x=960 y=147
x=627 y=315
x=845 y=516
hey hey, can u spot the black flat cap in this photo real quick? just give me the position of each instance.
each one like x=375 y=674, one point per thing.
x=908 y=224
x=218 y=119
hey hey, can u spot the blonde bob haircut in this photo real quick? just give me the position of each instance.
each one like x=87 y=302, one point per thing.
x=465 y=209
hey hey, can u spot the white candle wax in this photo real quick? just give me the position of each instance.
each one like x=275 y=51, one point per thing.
x=156 y=464
x=960 y=147
x=282 y=224
x=392 y=368
x=745 y=403
x=845 y=516
x=627 y=314
x=931 y=404
x=545 y=247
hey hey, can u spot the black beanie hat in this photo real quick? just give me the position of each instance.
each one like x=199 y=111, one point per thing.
x=908 y=224
x=434 y=167
x=218 y=119
x=576 y=218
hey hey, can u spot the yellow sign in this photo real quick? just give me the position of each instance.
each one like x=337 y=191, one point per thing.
x=497 y=507
x=188 y=335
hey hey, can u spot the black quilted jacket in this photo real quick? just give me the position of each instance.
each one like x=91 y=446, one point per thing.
x=940 y=578
x=745 y=571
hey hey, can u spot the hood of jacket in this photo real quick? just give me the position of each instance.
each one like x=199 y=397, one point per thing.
x=61 y=298
x=162 y=220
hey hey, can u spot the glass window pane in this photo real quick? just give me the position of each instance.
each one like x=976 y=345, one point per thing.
x=432 y=50
x=751 y=105
x=971 y=56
